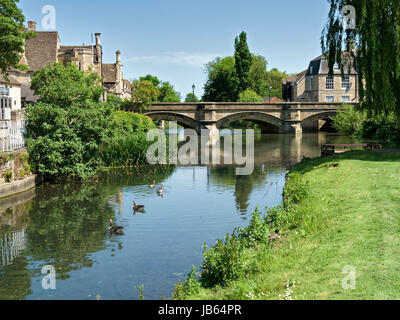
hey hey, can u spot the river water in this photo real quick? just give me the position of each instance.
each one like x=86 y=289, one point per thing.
x=66 y=226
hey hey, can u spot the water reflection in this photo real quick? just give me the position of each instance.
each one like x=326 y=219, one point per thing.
x=67 y=225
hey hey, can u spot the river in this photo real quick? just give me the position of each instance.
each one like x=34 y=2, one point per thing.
x=66 y=226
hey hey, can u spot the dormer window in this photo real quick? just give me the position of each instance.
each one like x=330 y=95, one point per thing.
x=336 y=66
x=311 y=70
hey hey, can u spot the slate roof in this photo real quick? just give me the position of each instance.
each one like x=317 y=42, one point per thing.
x=319 y=66
x=42 y=50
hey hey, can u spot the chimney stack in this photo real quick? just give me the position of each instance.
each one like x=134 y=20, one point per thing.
x=98 y=43
x=118 y=57
x=351 y=46
x=31 y=25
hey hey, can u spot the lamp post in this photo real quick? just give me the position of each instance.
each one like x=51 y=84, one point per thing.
x=270 y=89
x=193 y=88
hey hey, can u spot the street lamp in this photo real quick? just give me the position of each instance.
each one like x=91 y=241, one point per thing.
x=270 y=89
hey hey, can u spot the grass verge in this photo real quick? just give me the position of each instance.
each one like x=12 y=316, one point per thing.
x=338 y=211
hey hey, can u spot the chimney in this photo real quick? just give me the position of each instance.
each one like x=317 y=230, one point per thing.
x=97 y=39
x=351 y=46
x=31 y=25
x=118 y=57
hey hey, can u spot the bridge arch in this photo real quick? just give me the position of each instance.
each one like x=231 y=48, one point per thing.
x=181 y=119
x=267 y=122
x=318 y=121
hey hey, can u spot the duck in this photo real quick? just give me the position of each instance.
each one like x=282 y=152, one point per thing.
x=274 y=236
x=137 y=207
x=115 y=229
x=152 y=186
x=160 y=191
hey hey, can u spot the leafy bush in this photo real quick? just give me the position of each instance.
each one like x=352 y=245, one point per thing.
x=223 y=262
x=250 y=96
x=191 y=286
x=257 y=231
x=295 y=190
x=385 y=127
x=67 y=128
x=350 y=121
x=128 y=123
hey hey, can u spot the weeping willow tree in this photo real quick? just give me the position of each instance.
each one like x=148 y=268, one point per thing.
x=376 y=36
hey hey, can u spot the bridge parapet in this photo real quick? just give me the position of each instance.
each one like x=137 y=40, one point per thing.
x=285 y=117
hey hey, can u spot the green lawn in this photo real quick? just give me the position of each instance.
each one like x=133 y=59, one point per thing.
x=352 y=219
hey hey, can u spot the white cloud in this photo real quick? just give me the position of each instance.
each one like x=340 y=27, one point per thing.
x=180 y=58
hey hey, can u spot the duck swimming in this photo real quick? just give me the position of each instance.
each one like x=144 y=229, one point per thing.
x=160 y=191
x=115 y=229
x=137 y=207
x=152 y=186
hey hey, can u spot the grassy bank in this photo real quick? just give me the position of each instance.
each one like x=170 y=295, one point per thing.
x=340 y=211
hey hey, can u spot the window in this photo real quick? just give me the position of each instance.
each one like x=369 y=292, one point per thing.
x=4 y=91
x=311 y=70
x=346 y=83
x=345 y=99
x=329 y=83
x=330 y=99
x=336 y=66
x=311 y=83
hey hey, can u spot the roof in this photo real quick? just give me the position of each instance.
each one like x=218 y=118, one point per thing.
x=12 y=80
x=27 y=93
x=42 y=50
x=295 y=78
x=109 y=73
x=320 y=66
x=272 y=100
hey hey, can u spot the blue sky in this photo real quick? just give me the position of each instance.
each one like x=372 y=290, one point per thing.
x=173 y=39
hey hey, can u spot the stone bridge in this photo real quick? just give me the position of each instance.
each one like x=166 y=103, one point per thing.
x=285 y=117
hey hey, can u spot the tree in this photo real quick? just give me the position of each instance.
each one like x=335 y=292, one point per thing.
x=12 y=36
x=67 y=128
x=168 y=93
x=222 y=81
x=275 y=81
x=56 y=84
x=250 y=96
x=144 y=94
x=152 y=79
x=259 y=77
x=377 y=38
x=191 y=97
x=243 y=62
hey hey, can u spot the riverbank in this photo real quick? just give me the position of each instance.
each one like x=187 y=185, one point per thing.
x=347 y=217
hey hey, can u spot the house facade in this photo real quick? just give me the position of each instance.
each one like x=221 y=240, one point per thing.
x=46 y=49
x=316 y=85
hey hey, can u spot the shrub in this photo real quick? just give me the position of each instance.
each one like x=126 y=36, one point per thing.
x=190 y=287
x=350 y=121
x=250 y=96
x=223 y=262
x=128 y=123
x=257 y=231
x=295 y=190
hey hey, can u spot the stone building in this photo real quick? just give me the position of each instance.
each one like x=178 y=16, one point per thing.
x=315 y=84
x=46 y=49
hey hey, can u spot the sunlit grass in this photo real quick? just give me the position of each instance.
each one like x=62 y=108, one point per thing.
x=352 y=218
